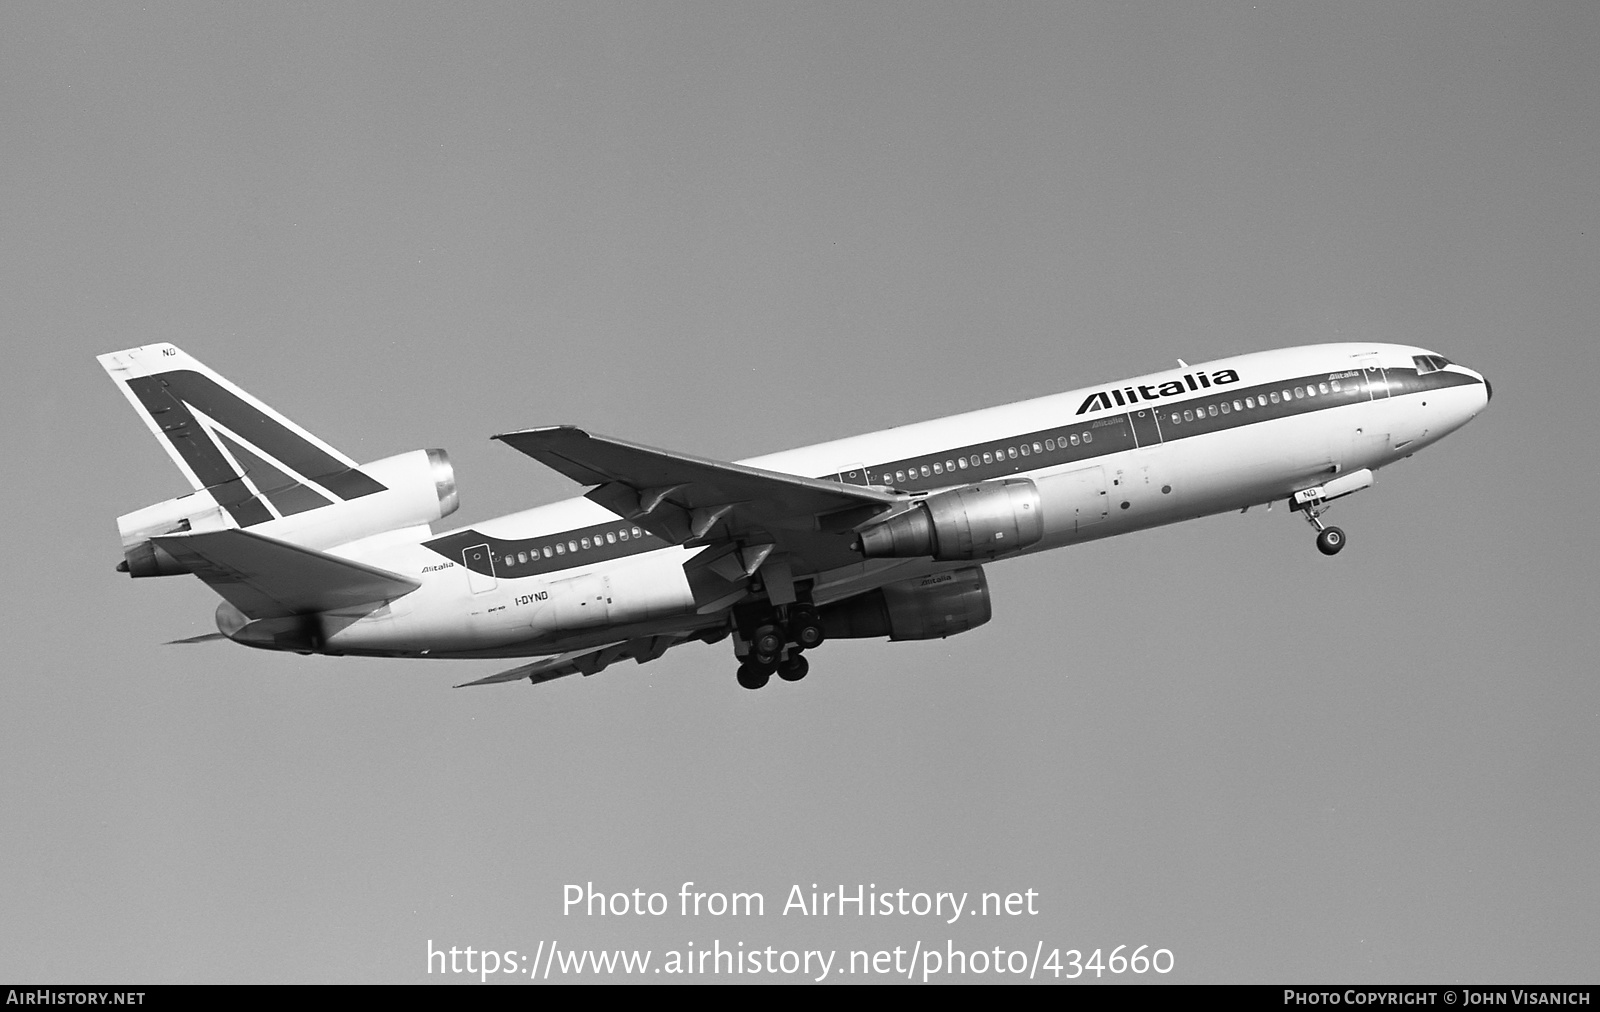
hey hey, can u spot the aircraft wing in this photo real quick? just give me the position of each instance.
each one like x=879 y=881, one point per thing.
x=586 y=662
x=695 y=501
x=267 y=578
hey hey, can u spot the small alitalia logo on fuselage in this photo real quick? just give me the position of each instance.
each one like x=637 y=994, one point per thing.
x=1116 y=397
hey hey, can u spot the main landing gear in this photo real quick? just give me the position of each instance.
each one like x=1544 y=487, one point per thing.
x=769 y=641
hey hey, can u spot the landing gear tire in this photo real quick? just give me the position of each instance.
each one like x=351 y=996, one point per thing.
x=1330 y=541
x=805 y=628
x=752 y=676
x=793 y=668
x=767 y=642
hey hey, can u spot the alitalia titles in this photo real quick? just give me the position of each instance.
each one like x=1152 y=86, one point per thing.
x=1102 y=400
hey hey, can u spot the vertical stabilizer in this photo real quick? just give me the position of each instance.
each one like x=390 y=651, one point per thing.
x=251 y=467
x=255 y=464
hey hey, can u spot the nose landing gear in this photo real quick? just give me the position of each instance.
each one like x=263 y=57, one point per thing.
x=1313 y=502
x=1330 y=540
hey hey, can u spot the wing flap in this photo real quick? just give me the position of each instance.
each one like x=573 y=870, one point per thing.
x=267 y=578
x=586 y=662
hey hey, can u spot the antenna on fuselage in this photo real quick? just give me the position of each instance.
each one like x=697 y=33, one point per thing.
x=1182 y=363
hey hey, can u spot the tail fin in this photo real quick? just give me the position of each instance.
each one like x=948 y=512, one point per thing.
x=253 y=462
x=253 y=468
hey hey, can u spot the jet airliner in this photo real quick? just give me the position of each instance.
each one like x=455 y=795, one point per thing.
x=879 y=535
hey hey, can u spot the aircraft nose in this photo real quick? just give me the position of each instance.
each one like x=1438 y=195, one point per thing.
x=1488 y=390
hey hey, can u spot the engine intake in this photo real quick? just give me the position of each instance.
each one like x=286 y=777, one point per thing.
x=974 y=522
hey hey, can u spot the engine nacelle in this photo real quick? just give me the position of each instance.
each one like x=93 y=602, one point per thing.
x=927 y=608
x=418 y=487
x=974 y=522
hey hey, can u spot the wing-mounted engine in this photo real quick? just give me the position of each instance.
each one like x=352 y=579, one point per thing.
x=973 y=522
x=929 y=607
x=405 y=490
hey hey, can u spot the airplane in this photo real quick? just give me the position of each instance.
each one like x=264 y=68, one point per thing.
x=878 y=535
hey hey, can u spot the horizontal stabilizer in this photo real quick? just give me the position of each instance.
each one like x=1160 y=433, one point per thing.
x=265 y=578
x=202 y=638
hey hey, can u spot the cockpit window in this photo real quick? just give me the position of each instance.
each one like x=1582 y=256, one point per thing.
x=1429 y=363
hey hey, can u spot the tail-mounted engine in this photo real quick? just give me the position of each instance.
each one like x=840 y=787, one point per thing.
x=975 y=522
x=927 y=608
x=405 y=490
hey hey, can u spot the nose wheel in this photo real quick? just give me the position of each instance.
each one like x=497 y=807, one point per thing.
x=1330 y=540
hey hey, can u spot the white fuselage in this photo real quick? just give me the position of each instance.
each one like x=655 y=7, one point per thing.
x=1183 y=443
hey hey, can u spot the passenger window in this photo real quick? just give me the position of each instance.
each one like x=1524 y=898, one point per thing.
x=1024 y=449
x=1074 y=439
x=522 y=557
x=1012 y=452
x=1049 y=444
x=938 y=468
x=949 y=465
x=1211 y=409
x=638 y=533
x=1274 y=396
x=623 y=534
x=1188 y=415
x=988 y=457
x=1088 y=437
x=961 y=462
x=1323 y=386
x=1335 y=385
x=1176 y=418
x=611 y=538
x=560 y=548
x=1299 y=393
x=1038 y=448
x=585 y=544
x=511 y=560
x=1224 y=407
x=1237 y=406
x=925 y=470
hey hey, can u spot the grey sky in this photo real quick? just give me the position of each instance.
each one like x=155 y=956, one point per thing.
x=735 y=229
